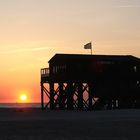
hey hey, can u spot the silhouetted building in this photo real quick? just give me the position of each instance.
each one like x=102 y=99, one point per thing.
x=89 y=82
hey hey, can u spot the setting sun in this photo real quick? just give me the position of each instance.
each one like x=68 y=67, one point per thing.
x=23 y=97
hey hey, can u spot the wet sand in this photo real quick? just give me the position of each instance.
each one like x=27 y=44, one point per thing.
x=34 y=124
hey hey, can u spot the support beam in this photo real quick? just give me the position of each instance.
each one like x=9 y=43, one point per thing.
x=51 y=95
x=42 y=97
x=61 y=96
x=69 y=96
x=80 y=96
x=90 y=96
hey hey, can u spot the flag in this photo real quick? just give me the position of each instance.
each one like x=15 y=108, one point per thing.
x=88 y=46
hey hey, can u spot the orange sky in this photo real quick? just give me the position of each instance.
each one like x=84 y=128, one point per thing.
x=32 y=31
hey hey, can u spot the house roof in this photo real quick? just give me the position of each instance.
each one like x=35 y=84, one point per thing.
x=62 y=57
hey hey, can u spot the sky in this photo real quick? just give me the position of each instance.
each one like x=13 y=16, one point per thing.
x=32 y=31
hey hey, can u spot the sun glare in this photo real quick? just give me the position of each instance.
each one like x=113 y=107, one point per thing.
x=23 y=97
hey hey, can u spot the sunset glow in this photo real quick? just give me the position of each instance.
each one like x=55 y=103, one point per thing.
x=23 y=97
x=32 y=31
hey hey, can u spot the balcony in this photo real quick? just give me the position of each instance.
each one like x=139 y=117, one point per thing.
x=45 y=74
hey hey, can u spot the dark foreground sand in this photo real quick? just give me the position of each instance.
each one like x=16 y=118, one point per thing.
x=69 y=125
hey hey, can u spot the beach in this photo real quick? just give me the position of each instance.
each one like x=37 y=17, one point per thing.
x=35 y=124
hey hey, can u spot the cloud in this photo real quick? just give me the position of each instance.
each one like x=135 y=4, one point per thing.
x=129 y=6
x=22 y=68
x=21 y=50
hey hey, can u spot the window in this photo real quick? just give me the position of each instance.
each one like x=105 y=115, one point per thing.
x=59 y=69
x=135 y=69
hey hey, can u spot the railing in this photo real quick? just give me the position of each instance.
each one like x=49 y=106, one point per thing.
x=45 y=72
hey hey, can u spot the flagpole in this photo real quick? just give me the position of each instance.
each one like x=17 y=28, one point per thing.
x=88 y=46
x=91 y=48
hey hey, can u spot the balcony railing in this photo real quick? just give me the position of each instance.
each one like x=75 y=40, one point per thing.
x=45 y=72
